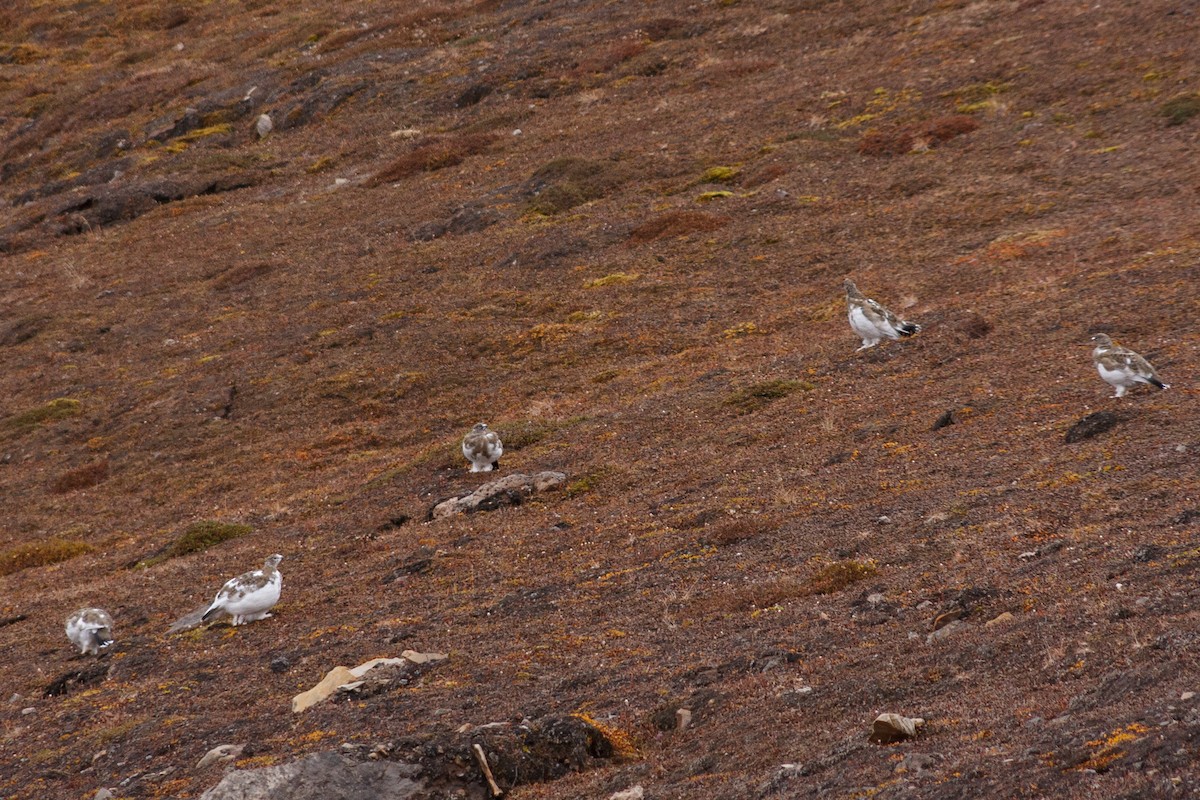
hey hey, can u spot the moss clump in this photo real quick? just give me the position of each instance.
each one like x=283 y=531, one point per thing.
x=752 y=398
x=37 y=554
x=197 y=537
x=710 y=196
x=564 y=183
x=1179 y=110
x=840 y=574
x=524 y=433
x=211 y=130
x=611 y=278
x=60 y=408
x=718 y=175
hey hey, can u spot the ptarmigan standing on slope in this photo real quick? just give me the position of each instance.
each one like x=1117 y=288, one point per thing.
x=250 y=595
x=90 y=629
x=1122 y=368
x=872 y=321
x=482 y=448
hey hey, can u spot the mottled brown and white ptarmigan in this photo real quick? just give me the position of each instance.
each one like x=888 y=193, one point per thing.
x=871 y=321
x=1122 y=368
x=90 y=629
x=482 y=448
x=249 y=596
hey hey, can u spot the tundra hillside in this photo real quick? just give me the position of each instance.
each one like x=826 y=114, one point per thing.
x=617 y=233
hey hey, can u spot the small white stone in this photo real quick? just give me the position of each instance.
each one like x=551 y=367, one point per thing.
x=1187 y=695
x=264 y=125
x=517 y=132
x=25 y=712
x=178 y=48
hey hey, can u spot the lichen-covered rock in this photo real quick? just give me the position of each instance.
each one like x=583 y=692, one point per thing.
x=507 y=491
x=321 y=776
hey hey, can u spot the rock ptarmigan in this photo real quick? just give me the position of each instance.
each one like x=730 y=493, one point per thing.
x=90 y=629
x=1122 y=368
x=871 y=321
x=249 y=596
x=482 y=448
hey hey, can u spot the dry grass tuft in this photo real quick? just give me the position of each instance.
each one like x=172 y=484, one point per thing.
x=37 y=554
x=840 y=574
x=737 y=531
x=908 y=138
x=829 y=579
x=606 y=58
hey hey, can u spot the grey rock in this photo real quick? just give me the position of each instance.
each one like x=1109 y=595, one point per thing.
x=890 y=728
x=321 y=776
x=946 y=631
x=221 y=754
x=510 y=490
x=103 y=794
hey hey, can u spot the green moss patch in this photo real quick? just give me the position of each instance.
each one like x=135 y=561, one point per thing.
x=565 y=183
x=1179 y=110
x=197 y=537
x=758 y=395
x=718 y=175
x=24 y=421
x=37 y=554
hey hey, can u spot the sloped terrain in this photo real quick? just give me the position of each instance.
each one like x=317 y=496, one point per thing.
x=616 y=232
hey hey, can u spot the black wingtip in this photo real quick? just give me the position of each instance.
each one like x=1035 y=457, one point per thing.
x=909 y=328
x=1158 y=383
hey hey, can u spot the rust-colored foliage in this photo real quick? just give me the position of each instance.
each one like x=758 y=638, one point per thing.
x=81 y=478
x=675 y=223
x=432 y=154
x=905 y=139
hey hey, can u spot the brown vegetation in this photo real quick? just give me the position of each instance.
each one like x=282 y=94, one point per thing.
x=758 y=522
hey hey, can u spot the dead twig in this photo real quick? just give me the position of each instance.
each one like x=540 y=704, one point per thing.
x=487 y=771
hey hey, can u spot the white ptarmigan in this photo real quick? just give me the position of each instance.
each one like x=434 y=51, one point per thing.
x=871 y=321
x=482 y=448
x=1122 y=368
x=90 y=629
x=249 y=596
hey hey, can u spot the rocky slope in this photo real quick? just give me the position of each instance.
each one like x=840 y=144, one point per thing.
x=617 y=232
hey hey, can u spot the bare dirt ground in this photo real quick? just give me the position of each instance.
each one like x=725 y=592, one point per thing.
x=617 y=232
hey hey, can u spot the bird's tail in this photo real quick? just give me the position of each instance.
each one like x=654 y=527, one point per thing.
x=103 y=637
x=212 y=612
x=1158 y=383
x=908 y=328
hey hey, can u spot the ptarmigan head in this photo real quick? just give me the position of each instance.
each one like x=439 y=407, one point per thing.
x=1102 y=340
